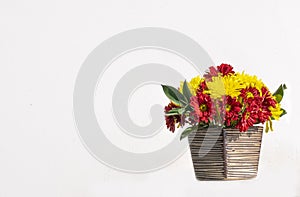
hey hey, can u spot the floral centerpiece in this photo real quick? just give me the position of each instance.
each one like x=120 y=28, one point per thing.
x=222 y=98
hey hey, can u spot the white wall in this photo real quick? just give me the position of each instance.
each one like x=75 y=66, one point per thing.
x=42 y=46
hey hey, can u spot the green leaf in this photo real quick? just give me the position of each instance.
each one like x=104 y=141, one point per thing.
x=171 y=114
x=186 y=91
x=189 y=108
x=278 y=97
x=174 y=95
x=175 y=111
x=187 y=131
x=280 y=92
x=284 y=112
x=284 y=87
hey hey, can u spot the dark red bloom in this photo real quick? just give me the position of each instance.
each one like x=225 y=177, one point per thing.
x=225 y=69
x=249 y=93
x=267 y=99
x=249 y=116
x=233 y=109
x=264 y=114
x=211 y=73
x=202 y=106
x=248 y=119
x=172 y=120
x=202 y=86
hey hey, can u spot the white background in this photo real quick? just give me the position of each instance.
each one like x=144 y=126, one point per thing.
x=42 y=46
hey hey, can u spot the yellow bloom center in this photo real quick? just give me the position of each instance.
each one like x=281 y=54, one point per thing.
x=228 y=107
x=250 y=95
x=247 y=115
x=203 y=107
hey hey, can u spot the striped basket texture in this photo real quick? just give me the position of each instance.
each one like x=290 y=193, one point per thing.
x=225 y=154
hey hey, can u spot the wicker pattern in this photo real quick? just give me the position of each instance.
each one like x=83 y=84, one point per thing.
x=226 y=154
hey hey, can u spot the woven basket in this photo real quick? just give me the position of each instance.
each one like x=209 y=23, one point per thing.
x=225 y=154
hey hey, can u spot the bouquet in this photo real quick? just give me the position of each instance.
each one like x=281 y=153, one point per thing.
x=224 y=98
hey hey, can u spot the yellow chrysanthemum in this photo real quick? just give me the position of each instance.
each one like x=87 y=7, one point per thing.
x=276 y=112
x=192 y=85
x=195 y=82
x=250 y=81
x=227 y=85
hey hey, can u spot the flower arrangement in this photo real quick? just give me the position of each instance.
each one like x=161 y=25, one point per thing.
x=222 y=97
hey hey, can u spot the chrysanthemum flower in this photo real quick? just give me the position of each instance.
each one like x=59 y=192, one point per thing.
x=249 y=117
x=225 y=69
x=233 y=109
x=249 y=80
x=193 y=85
x=268 y=99
x=249 y=92
x=202 y=106
x=263 y=99
x=276 y=111
x=264 y=114
x=228 y=85
x=172 y=120
x=202 y=87
x=211 y=73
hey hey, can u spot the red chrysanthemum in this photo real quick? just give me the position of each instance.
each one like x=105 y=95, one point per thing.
x=267 y=99
x=202 y=106
x=249 y=116
x=202 y=87
x=233 y=108
x=172 y=120
x=263 y=101
x=249 y=93
x=211 y=73
x=264 y=114
x=225 y=69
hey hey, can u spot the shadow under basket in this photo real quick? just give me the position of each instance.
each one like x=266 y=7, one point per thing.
x=225 y=154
